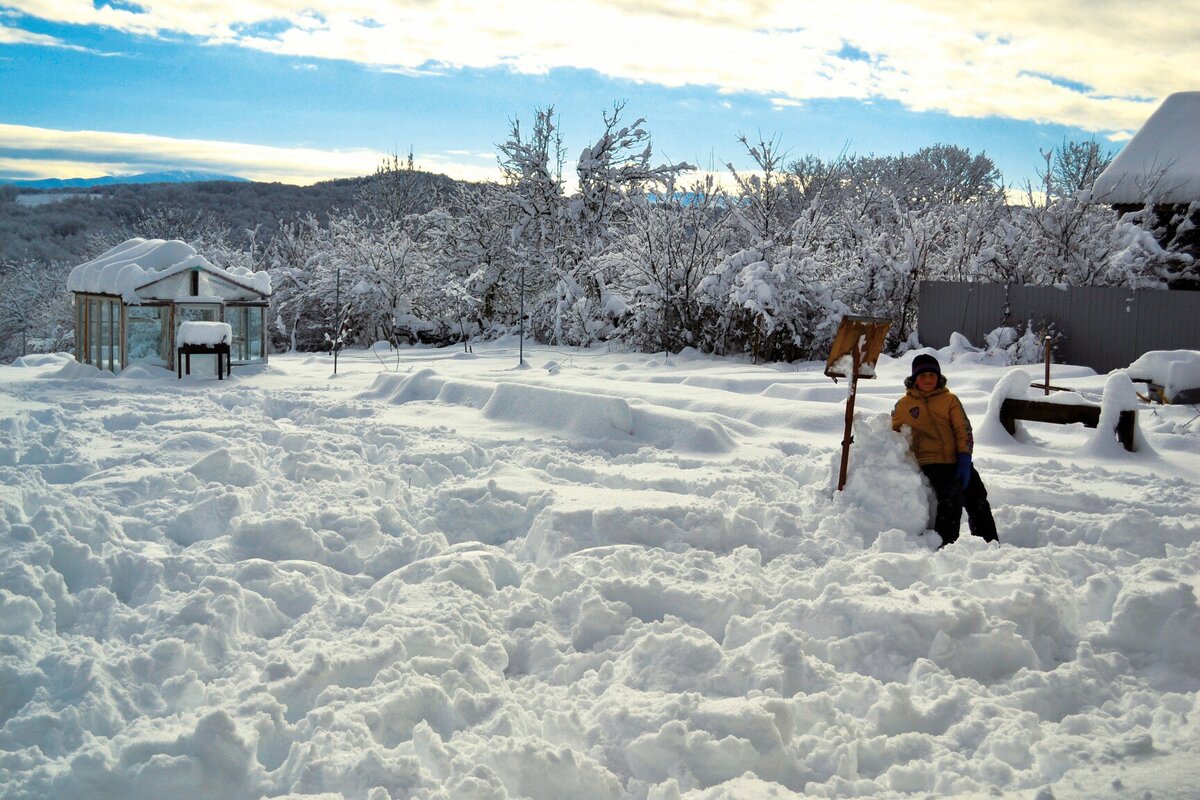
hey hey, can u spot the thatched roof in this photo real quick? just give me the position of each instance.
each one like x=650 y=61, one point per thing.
x=1162 y=161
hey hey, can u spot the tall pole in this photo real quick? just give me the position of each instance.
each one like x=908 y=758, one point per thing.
x=337 y=315
x=521 y=346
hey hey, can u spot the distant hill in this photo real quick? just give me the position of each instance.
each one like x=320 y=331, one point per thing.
x=67 y=224
x=170 y=176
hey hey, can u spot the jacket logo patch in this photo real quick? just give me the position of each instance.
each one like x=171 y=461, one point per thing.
x=914 y=412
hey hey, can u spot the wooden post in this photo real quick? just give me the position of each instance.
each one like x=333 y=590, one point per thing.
x=848 y=435
x=1047 y=348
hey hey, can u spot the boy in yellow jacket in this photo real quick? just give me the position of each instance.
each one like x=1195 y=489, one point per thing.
x=942 y=442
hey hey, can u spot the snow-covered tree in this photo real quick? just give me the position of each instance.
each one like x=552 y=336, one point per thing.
x=471 y=241
x=532 y=170
x=36 y=315
x=293 y=258
x=616 y=174
x=1065 y=236
x=673 y=242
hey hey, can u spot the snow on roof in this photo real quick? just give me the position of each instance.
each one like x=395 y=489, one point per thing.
x=1162 y=160
x=136 y=263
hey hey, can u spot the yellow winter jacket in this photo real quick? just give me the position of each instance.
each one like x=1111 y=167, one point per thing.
x=940 y=428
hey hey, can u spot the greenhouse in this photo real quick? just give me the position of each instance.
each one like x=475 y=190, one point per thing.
x=130 y=301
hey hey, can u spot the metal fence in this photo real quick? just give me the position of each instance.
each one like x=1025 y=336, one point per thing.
x=1103 y=327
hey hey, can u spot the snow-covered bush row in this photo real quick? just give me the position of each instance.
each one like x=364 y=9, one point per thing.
x=641 y=255
x=646 y=255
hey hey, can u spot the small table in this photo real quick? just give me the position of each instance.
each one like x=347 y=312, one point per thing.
x=186 y=351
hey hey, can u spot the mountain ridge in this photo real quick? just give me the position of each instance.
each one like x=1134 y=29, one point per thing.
x=166 y=176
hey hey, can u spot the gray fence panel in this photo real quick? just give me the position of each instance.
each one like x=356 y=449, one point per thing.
x=1101 y=327
x=1104 y=327
x=1165 y=323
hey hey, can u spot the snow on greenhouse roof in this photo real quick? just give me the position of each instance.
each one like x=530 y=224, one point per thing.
x=137 y=263
x=1162 y=160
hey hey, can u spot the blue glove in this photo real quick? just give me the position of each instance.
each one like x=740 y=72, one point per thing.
x=963 y=471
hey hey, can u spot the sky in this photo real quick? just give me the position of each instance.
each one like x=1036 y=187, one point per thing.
x=276 y=90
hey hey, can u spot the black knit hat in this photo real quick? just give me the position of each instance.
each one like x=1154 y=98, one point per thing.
x=925 y=363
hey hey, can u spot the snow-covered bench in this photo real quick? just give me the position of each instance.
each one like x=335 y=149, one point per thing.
x=197 y=337
x=1063 y=414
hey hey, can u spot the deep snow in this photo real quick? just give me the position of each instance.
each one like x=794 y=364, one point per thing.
x=606 y=575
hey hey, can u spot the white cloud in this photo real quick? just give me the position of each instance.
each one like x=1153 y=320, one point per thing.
x=39 y=168
x=1095 y=64
x=46 y=153
x=18 y=36
x=463 y=171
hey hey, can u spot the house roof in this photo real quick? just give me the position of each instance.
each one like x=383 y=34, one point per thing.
x=1161 y=162
x=138 y=263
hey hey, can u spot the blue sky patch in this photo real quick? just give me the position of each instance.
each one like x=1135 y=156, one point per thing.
x=1074 y=86
x=851 y=53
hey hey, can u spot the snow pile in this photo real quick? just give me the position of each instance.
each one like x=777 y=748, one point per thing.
x=566 y=413
x=73 y=370
x=141 y=371
x=617 y=579
x=204 y=333
x=43 y=360
x=1119 y=396
x=1175 y=370
x=137 y=263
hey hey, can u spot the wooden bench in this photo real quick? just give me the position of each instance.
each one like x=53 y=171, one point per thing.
x=186 y=351
x=1063 y=414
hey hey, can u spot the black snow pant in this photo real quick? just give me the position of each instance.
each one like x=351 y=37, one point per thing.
x=952 y=499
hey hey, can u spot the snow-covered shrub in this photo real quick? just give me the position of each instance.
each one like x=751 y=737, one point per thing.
x=779 y=309
x=1010 y=347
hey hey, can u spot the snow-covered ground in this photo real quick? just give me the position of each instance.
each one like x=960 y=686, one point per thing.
x=603 y=576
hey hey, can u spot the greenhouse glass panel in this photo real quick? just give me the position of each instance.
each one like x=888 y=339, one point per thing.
x=236 y=317
x=80 y=330
x=104 y=335
x=147 y=329
x=254 y=332
x=114 y=335
x=202 y=313
x=93 y=338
